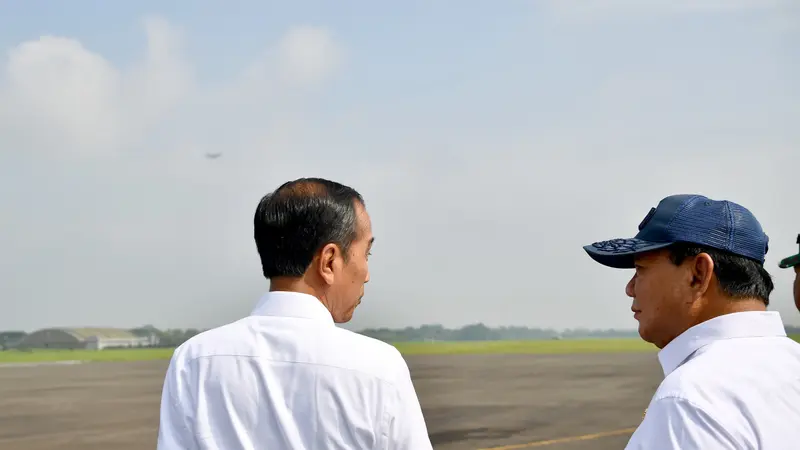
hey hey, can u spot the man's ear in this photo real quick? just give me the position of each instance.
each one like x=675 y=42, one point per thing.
x=327 y=262
x=702 y=273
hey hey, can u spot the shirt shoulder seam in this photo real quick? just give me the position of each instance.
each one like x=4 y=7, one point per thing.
x=291 y=361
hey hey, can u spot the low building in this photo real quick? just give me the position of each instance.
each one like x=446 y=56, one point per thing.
x=86 y=338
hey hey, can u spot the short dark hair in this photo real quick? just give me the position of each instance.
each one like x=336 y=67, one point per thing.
x=292 y=223
x=738 y=276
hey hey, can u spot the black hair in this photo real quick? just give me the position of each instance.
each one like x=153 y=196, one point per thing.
x=292 y=223
x=738 y=276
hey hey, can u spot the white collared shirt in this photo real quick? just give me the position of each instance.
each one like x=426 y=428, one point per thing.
x=287 y=377
x=732 y=382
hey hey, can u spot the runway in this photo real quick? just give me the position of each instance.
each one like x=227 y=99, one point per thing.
x=496 y=401
x=471 y=402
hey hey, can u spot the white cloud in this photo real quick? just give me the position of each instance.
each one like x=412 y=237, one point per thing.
x=64 y=97
x=56 y=84
x=164 y=78
x=61 y=96
x=308 y=54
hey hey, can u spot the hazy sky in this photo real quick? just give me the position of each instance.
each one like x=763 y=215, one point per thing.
x=491 y=140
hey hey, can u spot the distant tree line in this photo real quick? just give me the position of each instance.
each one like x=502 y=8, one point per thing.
x=435 y=332
x=174 y=337
x=481 y=332
x=8 y=339
x=168 y=338
x=472 y=332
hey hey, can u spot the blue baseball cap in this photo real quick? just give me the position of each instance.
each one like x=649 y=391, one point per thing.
x=686 y=218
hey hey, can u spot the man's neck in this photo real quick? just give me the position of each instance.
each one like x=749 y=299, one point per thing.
x=300 y=285
x=722 y=306
x=287 y=284
x=716 y=307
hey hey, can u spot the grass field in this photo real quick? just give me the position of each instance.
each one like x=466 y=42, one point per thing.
x=408 y=348
x=137 y=354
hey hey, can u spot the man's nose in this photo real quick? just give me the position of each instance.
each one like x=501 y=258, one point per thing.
x=630 y=286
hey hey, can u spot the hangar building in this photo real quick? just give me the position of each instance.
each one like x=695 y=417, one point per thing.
x=87 y=338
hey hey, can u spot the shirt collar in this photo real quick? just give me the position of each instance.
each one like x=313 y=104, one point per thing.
x=728 y=326
x=292 y=304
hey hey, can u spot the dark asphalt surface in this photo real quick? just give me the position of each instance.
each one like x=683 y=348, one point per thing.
x=474 y=402
x=470 y=402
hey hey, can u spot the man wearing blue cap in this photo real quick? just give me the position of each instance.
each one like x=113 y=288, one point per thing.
x=700 y=294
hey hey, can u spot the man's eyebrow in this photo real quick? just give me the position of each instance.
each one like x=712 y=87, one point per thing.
x=371 y=241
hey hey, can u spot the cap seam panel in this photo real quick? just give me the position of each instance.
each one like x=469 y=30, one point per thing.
x=680 y=210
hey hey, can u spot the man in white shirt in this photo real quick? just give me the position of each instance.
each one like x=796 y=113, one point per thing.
x=286 y=377
x=700 y=294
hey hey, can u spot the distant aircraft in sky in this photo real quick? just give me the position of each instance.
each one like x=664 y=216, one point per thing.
x=213 y=155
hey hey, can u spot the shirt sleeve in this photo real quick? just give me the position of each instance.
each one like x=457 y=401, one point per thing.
x=407 y=428
x=673 y=423
x=174 y=432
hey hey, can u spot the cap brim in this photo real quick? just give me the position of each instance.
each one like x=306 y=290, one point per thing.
x=791 y=261
x=620 y=253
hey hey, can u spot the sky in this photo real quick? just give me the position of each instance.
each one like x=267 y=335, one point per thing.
x=491 y=141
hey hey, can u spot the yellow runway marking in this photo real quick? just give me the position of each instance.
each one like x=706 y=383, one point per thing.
x=564 y=440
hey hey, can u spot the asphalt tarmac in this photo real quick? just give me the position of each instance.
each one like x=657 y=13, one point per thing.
x=471 y=402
